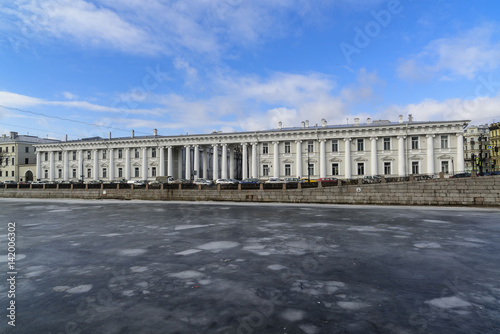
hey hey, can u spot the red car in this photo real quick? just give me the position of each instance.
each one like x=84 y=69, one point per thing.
x=328 y=180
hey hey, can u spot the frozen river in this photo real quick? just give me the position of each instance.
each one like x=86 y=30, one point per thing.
x=163 y=267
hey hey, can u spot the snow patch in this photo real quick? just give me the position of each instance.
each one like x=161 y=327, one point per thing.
x=80 y=288
x=427 y=245
x=448 y=302
x=218 y=245
x=292 y=315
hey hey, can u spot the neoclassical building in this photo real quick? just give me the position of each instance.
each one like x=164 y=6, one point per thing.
x=344 y=151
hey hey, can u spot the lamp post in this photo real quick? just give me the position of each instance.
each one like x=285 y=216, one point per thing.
x=308 y=169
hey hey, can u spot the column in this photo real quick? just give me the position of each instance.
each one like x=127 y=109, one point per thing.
x=373 y=152
x=179 y=163
x=276 y=156
x=196 y=162
x=430 y=155
x=299 y=158
x=38 y=166
x=204 y=158
x=322 y=158
x=52 y=166
x=244 y=161
x=127 y=163
x=162 y=161
x=80 y=164
x=460 y=153
x=96 y=164
x=215 y=162
x=401 y=156
x=170 y=162
x=188 y=162
x=255 y=172
x=144 y=163
x=348 y=173
x=66 y=166
x=223 y=159
x=231 y=163
x=111 y=164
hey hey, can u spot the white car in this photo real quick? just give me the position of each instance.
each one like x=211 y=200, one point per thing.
x=274 y=180
x=226 y=181
x=203 y=182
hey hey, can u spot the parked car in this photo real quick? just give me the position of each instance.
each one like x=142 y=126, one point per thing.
x=459 y=175
x=10 y=182
x=226 y=181
x=291 y=180
x=203 y=182
x=372 y=179
x=95 y=182
x=251 y=181
x=181 y=181
x=121 y=181
x=140 y=183
x=274 y=180
x=305 y=179
x=330 y=180
x=155 y=184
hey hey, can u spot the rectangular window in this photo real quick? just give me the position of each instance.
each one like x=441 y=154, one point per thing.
x=6 y=161
x=120 y=172
x=361 y=168
x=6 y=150
x=136 y=153
x=104 y=154
x=59 y=156
x=46 y=156
x=120 y=153
x=444 y=167
x=444 y=141
x=310 y=146
x=26 y=161
x=59 y=173
x=153 y=152
x=89 y=155
x=13 y=163
x=104 y=172
x=74 y=155
x=335 y=145
x=12 y=174
x=153 y=171
x=287 y=147
x=414 y=143
x=74 y=173
x=361 y=144
x=310 y=169
x=0 y=173
x=27 y=149
x=89 y=172
x=288 y=169
x=387 y=168
x=335 y=169
x=1 y=160
x=414 y=167
x=0 y=150
x=46 y=173
x=265 y=170
x=136 y=171
x=265 y=148
x=13 y=152
x=387 y=144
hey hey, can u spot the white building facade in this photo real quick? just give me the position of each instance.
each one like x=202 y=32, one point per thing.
x=393 y=149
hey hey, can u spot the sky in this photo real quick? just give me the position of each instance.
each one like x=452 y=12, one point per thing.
x=86 y=68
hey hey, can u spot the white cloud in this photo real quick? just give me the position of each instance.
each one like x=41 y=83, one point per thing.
x=70 y=96
x=454 y=57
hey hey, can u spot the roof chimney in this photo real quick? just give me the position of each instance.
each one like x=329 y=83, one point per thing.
x=400 y=119
x=155 y=132
x=132 y=134
x=323 y=122
x=368 y=121
x=65 y=137
x=356 y=121
x=280 y=125
x=13 y=135
x=109 y=135
x=303 y=124
x=307 y=123
x=410 y=118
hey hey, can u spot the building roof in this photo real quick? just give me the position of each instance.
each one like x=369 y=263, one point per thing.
x=14 y=137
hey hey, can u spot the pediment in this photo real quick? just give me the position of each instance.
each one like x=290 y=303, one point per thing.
x=288 y=161
x=361 y=159
x=388 y=158
x=445 y=157
x=415 y=157
x=335 y=160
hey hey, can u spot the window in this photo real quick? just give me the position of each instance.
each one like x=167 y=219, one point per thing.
x=361 y=144
x=59 y=173
x=46 y=173
x=136 y=171
x=89 y=172
x=310 y=169
x=310 y=146
x=444 y=167
x=104 y=172
x=444 y=141
x=1 y=160
x=89 y=155
x=387 y=168
x=265 y=170
x=387 y=144
x=12 y=174
x=13 y=163
x=335 y=169
x=288 y=169
x=59 y=156
x=153 y=152
x=265 y=148
x=414 y=167
x=74 y=155
x=287 y=147
x=120 y=172
x=120 y=153
x=0 y=173
x=104 y=154
x=6 y=161
x=153 y=171
x=414 y=143
x=6 y=150
x=13 y=152
x=136 y=153
x=46 y=156
x=335 y=147
x=74 y=173
x=361 y=168
x=27 y=149
x=0 y=150
x=26 y=161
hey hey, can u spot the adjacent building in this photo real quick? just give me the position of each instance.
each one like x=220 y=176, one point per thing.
x=476 y=148
x=394 y=149
x=17 y=156
x=495 y=146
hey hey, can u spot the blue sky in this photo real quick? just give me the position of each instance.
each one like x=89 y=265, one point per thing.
x=84 y=68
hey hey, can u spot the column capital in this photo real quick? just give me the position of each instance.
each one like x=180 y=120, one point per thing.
x=298 y=141
x=459 y=134
x=430 y=135
x=224 y=144
x=244 y=144
x=275 y=142
x=215 y=145
x=347 y=139
x=374 y=138
x=254 y=144
x=401 y=137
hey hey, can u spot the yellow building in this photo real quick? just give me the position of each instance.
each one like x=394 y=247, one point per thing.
x=495 y=146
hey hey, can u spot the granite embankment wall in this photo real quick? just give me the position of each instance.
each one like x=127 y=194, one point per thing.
x=478 y=191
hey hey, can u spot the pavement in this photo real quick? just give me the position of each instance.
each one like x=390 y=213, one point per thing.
x=184 y=267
